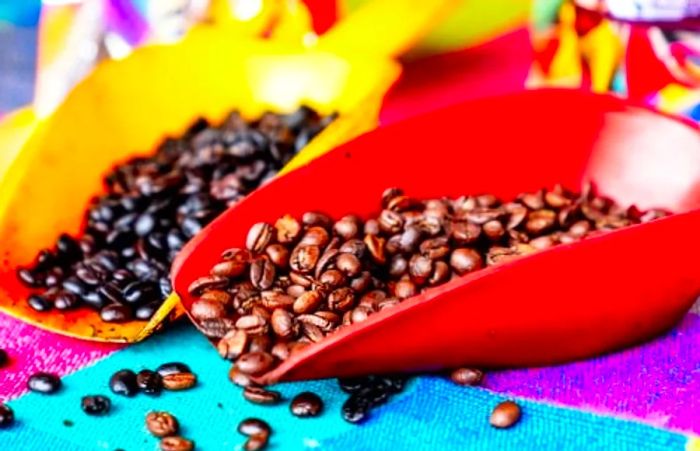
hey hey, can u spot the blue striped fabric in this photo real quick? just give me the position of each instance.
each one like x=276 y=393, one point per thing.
x=430 y=414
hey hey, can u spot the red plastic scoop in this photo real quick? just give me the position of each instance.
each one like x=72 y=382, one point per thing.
x=568 y=302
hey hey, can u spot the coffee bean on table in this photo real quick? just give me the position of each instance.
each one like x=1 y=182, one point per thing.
x=256 y=442
x=258 y=395
x=254 y=426
x=162 y=424
x=46 y=383
x=306 y=404
x=179 y=381
x=176 y=443
x=467 y=376
x=124 y=383
x=7 y=416
x=255 y=363
x=505 y=415
x=96 y=405
x=172 y=368
x=149 y=382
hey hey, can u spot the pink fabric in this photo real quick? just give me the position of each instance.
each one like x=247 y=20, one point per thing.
x=31 y=350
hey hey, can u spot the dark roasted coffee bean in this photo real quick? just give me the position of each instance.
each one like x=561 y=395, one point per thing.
x=29 y=278
x=254 y=426
x=123 y=383
x=176 y=443
x=255 y=363
x=342 y=299
x=505 y=415
x=420 y=268
x=162 y=424
x=258 y=395
x=7 y=416
x=306 y=405
x=149 y=382
x=68 y=248
x=96 y=405
x=144 y=224
x=116 y=313
x=94 y=300
x=172 y=368
x=332 y=279
x=467 y=376
x=349 y=264
x=39 y=303
x=75 y=286
x=46 y=383
x=137 y=293
x=355 y=409
x=146 y=311
x=111 y=292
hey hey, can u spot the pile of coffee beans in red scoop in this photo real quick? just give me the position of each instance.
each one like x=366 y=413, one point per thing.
x=153 y=205
x=300 y=279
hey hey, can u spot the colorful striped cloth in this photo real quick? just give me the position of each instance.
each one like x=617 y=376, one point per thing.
x=647 y=397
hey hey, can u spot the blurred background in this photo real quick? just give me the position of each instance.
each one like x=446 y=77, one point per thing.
x=647 y=50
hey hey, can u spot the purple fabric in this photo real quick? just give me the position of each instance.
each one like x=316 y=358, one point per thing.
x=658 y=382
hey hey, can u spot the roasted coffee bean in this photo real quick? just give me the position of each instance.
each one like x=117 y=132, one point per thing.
x=355 y=409
x=278 y=255
x=258 y=237
x=162 y=424
x=288 y=229
x=233 y=344
x=465 y=260
x=332 y=279
x=307 y=302
x=149 y=382
x=145 y=312
x=304 y=258
x=124 y=383
x=347 y=228
x=342 y=299
x=179 y=381
x=420 y=268
x=315 y=236
x=405 y=289
x=96 y=405
x=39 y=303
x=254 y=426
x=505 y=415
x=169 y=368
x=272 y=300
x=312 y=219
x=256 y=442
x=255 y=363
x=282 y=324
x=216 y=328
x=116 y=313
x=176 y=443
x=137 y=293
x=202 y=284
x=7 y=416
x=203 y=309
x=467 y=376
x=258 y=395
x=349 y=264
x=306 y=404
x=239 y=378
x=45 y=383
x=262 y=273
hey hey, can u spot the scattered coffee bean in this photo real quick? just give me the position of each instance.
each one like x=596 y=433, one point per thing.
x=467 y=376
x=46 y=383
x=254 y=426
x=96 y=405
x=306 y=404
x=162 y=424
x=258 y=395
x=176 y=443
x=179 y=381
x=256 y=442
x=124 y=383
x=153 y=204
x=505 y=415
x=149 y=382
x=7 y=416
x=172 y=368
